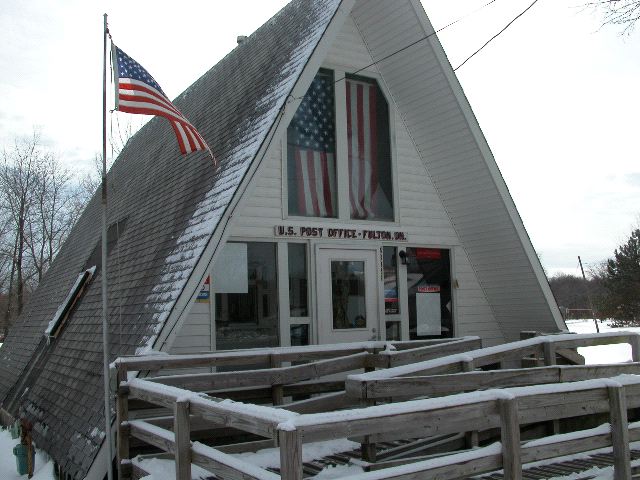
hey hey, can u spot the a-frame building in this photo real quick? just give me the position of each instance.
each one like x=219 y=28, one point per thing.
x=355 y=198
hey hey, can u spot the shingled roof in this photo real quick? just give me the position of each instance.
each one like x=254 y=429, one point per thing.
x=164 y=210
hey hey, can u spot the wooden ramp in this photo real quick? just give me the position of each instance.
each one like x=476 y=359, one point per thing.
x=469 y=410
x=568 y=467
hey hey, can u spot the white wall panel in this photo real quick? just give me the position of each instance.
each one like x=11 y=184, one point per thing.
x=461 y=166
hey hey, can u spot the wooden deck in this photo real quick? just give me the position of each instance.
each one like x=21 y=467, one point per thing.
x=467 y=409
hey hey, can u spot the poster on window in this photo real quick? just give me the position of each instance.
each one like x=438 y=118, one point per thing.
x=428 y=312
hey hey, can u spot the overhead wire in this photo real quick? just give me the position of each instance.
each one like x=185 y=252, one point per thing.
x=435 y=32
x=496 y=35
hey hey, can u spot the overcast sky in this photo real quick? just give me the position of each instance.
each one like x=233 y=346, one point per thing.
x=556 y=96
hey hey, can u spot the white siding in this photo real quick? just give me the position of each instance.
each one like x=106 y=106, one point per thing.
x=195 y=334
x=421 y=212
x=460 y=163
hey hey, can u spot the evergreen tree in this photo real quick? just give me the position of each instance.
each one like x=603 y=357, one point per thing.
x=621 y=279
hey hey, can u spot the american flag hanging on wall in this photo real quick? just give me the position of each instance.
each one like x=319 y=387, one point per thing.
x=312 y=138
x=362 y=139
x=138 y=92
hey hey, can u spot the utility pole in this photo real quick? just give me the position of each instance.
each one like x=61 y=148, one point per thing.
x=586 y=286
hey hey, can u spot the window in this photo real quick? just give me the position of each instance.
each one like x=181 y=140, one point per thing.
x=311 y=161
x=56 y=323
x=348 y=294
x=298 y=297
x=429 y=291
x=369 y=153
x=353 y=169
x=249 y=319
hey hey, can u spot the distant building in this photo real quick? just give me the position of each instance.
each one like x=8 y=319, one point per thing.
x=349 y=203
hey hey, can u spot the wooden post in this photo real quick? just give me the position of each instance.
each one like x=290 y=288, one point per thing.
x=549 y=353
x=182 y=432
x=290 y=454
x=368 y=449
x=510 y=438
x=619 y=432
x=470 y=438
x=122 y=418
x=277 y=396
x=634 y=340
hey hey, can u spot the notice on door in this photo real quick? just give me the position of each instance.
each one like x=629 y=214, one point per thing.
x=428 y=314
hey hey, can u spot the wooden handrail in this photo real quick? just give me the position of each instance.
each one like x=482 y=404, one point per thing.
x=404 y=388
x=505 y=352
x=264 y=355
x=249 y=418
x=505 y=409
x=271 y=376
x=209 y=458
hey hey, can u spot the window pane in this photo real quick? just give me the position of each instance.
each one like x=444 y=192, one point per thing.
x=311 y=163
x=299 y=335
x=391 y=303
x=298 y=305
x=348 y=295
x=370 y=186
x=250 y=320
x=429 y=291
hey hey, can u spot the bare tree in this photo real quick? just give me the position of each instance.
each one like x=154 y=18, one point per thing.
x=37 y=210
x=623 y=13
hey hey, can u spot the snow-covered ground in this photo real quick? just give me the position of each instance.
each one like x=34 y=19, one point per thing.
x=164 y=469
x=8 y=471
x=620 y=353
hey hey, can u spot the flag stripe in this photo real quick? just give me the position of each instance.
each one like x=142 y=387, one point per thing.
x=362 y=147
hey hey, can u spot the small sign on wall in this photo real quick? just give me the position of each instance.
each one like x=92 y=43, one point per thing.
x=428 y=310
x=230 y=272
x=205 y=292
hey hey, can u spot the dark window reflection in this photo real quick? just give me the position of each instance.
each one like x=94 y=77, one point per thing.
x=299 y=335
x=298 y=303
x=348 y=294
x=250 y=320
x=391 y=303
x=429 y=292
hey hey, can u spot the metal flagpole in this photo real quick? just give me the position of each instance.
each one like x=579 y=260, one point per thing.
x=105 y=328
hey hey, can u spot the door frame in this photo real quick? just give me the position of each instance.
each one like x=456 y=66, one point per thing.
x=378 y=291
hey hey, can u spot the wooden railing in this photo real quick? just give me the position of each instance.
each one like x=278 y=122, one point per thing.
x=505 y=409
x=322 y=361
x=369 y=385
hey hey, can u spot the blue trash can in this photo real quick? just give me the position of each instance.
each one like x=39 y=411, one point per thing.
x=22 y=464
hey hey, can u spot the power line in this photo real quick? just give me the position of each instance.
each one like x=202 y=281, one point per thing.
x=496 y=35
x=421 y=39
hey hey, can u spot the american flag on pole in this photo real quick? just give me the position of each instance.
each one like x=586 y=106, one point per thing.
x=362 y=139
x=138 y=92
x=312 y=138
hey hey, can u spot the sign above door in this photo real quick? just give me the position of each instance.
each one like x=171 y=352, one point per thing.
x=297 y=231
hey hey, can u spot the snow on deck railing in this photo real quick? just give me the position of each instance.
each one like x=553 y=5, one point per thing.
x=495 y=354
x=285 y=354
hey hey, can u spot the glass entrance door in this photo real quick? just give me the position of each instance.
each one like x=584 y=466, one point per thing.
x=347 y=295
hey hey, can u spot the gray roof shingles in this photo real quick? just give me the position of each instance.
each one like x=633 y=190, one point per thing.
x=172 y=206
